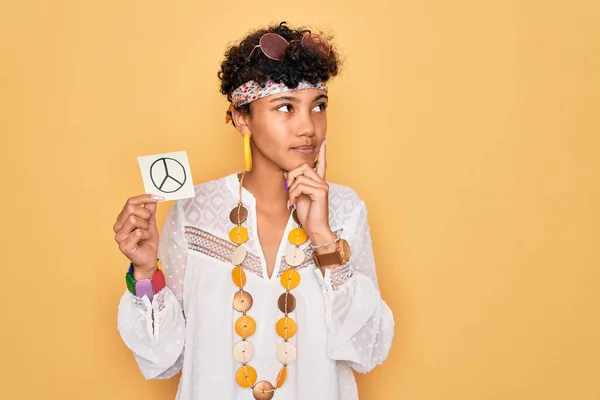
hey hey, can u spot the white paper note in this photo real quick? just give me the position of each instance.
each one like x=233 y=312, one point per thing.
x=168 y=175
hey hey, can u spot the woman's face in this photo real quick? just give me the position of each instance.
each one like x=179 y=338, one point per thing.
x=287 y=128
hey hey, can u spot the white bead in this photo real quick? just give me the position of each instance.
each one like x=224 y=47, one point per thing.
x=243 y=351
x=238 y=255
x=286 y=352
x=294 y=257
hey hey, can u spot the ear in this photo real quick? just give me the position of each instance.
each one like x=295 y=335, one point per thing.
x=241 y=121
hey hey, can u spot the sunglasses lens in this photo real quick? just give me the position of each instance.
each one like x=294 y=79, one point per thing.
x=273 y=46
x=315 y=43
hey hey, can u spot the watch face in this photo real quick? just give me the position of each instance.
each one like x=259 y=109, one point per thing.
x=345 y=249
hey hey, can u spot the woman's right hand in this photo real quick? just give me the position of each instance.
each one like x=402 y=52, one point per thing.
x=137 y=234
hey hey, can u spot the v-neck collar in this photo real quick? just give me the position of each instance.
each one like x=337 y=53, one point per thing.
x=249 y=200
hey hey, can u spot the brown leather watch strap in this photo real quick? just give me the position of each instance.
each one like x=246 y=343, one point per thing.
x=328 y=259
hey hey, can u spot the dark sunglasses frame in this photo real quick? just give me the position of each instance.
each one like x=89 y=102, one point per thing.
x=274 y=46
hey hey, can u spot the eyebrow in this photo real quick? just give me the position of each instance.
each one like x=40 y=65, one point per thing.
x=294 y=99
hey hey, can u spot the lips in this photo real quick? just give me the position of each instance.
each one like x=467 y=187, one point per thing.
x=304 y=149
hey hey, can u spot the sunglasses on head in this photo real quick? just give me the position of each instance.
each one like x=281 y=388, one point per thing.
x=274 y=45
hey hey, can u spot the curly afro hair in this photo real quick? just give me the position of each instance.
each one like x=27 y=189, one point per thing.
x=298 y=65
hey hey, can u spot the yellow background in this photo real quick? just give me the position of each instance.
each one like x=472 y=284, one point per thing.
x=469 y=127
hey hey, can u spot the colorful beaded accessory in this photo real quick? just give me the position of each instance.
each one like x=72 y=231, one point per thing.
x=246 y=376
x=149 y=286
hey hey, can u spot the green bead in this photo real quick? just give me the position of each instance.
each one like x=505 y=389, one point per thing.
x=130 y=283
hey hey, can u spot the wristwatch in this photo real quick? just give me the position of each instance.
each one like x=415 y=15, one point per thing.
x=341 y=255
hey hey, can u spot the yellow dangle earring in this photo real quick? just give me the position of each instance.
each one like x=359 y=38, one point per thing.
x=247 y=153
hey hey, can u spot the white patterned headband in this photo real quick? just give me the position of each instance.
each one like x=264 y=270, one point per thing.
x=251 y=91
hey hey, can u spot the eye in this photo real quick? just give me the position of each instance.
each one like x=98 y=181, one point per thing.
x=285 y=108
x=320 y=107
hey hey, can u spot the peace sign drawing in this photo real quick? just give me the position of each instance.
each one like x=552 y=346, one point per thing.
x=168 y=175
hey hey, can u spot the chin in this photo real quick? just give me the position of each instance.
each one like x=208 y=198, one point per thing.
x=298 y=161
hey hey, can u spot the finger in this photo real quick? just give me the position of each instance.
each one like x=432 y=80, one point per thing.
x=144 y=198
x=315 y=193
x=129 y=211
x=143 y=208
x=322 y=162
x=285 y=177
x=303 y=179
x=311 y=173
x=152 y=208
x=303 y=169
x=131 y=241
x=132 y=223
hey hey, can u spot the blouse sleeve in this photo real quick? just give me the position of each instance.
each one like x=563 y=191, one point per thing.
x=155 y=330
x=360 y=324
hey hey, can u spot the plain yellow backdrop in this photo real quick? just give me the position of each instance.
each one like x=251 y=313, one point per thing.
x=469 y=127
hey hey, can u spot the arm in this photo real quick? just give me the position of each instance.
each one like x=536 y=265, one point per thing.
x=155 y=331
x=360 y=324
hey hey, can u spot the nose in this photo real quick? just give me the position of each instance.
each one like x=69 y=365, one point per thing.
x=306 y=124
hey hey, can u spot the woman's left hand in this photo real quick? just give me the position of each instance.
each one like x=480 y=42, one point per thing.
x=309 y=192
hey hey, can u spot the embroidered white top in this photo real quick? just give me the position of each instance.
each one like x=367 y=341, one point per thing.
x=343 y=323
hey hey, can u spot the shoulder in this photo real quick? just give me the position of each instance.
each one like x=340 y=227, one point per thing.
x=343 y=193
x=345 y=199
x=209 y=188
x=215 y=188
x=209 y=196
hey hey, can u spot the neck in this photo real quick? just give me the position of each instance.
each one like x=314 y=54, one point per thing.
x=266 y=183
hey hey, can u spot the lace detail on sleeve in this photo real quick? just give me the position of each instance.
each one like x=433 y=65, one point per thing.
x=221 y=249
x=308 y=249
x=141 y=304
x=338 y=276
x=156 y=336
x=159 y=301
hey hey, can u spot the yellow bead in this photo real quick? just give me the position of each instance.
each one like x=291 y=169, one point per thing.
x=238 y=234
x=297 y=236
x=246 y=376
x=245 y=326
x=286 y=327
x=239 y=277
x=281 y=377
x=290 y=279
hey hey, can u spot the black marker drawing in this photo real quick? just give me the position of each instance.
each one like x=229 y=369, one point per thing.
x=170 y=174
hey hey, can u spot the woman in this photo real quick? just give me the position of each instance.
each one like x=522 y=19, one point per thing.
x=290 y=252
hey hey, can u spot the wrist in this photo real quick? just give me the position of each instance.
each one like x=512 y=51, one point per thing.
x=143 y=281
x=321 y=238
x=140 y=272
x=329 y=258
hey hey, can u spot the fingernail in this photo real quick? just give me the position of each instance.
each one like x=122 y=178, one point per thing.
x=325 y=142
x=285 y=185
x=157 y=197
x=288 y=204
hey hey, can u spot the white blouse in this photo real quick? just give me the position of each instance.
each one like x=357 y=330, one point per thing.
x=343 y=323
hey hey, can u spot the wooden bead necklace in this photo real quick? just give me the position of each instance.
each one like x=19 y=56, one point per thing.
x=245 y=325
